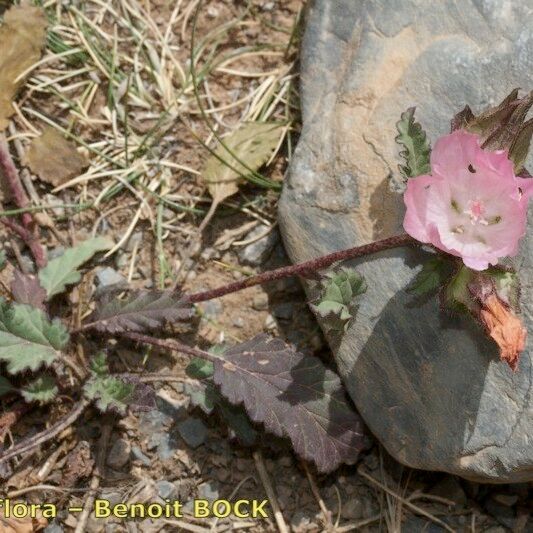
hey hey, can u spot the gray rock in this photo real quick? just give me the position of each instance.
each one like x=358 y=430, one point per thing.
x=53 y=528
x=109 y=276
x=258 y=252
x=283 y=311
x=193 y=431
x=260 y=301
x=212 y=308
x=428 y=385
x=137 y=453
x=119 y=454
x=166 y=489
x=208 y=491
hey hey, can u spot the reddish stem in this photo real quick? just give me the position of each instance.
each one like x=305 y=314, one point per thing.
x=303 y=269
x=27 y=230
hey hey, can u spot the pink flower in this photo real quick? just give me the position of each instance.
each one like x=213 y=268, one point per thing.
x=472 y=205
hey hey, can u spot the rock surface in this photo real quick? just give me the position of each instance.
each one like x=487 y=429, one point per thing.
x=428 y=385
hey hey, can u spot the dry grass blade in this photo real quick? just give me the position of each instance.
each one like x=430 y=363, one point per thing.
x=54 y=159
x=22 y=37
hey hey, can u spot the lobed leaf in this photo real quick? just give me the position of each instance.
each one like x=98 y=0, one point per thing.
x=63 y=270
x=337 y=304
x=294 y=396
x=200 y=368
x=417 y=148
x=109 y=392
x=144 y=310
x=28 y=339
x=42 y=390
x=434 y=273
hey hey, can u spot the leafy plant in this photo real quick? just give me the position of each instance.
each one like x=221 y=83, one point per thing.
x=416 y=146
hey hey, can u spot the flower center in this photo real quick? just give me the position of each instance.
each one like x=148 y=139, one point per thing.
x=476 y=210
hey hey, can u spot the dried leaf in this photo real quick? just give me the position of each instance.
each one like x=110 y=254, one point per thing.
x=22 y=37
x=499 y=320
x=252 y=144
x=143 y=310
x=295 y=396
x=79 y=465
x=26 y=289
x=21 y=525
x=54 y=159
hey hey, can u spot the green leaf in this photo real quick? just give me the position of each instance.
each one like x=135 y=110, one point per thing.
x=202 y=395
x=431 y=277
x=200 y=369
x=5 y=386
x=417 y=148
x=238 y=422
x=99 y=365
x=457 y=293
x=336 y=304
x=252 y=145
x=42 y=390
x=507 y=285
x=109 y=392
x=28 y=339
x=63 y=270
x=3 y=259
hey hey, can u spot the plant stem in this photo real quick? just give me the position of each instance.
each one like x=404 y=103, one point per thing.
x=27 y=230
x=303 y=269
x=169 y=344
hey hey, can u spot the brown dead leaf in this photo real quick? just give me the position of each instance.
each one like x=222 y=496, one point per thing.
x=21 y=525
x=22 y=37
x=54 y=159
x=505 y=328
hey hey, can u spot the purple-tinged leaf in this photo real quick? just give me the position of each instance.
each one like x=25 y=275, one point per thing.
x=26 y=289
x=143 y=397
x=142 y=311
x=294 y=396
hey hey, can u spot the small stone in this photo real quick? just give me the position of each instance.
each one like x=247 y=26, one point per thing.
x=259 y=251
x=283 y=311
x=223 y=474
x=209 y=253
x=166 y=489
x=153 y=421
x=191 y=275
x=137 y=453
x=108 y=277
x=133 y=242
x=119 y=454
x=353 y=509
x=212 y=308
x=208 y=491
x=238 y=322
x=300 y=521
x=260 y=302
x=193 y=431
x=504 y=514
x=166 y=447
x=53 y=528
x=237 y=274
x=270 y=322
x=113 y=497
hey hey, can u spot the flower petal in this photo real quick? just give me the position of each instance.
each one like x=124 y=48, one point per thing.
x=416 y=199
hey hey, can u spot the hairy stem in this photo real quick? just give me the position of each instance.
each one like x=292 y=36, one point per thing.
x=303 y=269
x=168 y=344
x=27 y=231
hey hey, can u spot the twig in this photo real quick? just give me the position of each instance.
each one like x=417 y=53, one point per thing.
x=97 y=477
x=44 y=436
x=356 y=526
x=303 y=269
x=404 y=501
x=30 y=240
x=316 y=493
x=269 y=489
